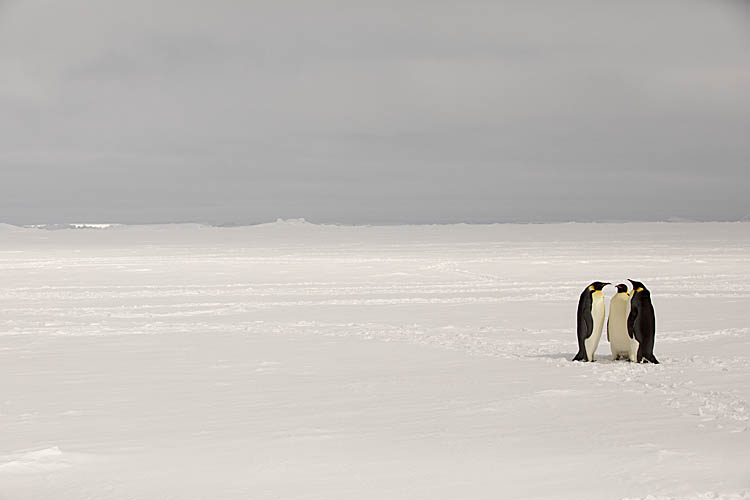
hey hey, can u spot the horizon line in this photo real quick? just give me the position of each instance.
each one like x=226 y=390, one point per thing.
x=302 y=220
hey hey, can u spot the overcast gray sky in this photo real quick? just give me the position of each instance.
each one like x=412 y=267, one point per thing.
x=373 y=111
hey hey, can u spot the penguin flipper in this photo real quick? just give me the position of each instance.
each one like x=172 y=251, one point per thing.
x=608 y=332
x=589 y=324
x=631 y=321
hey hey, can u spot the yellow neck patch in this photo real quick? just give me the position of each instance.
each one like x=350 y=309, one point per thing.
x=640 y=289
x=591 y=287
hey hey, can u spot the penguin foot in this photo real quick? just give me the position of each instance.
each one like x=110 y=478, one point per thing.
x=580 y=357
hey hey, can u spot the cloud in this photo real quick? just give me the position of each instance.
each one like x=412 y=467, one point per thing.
x=380 y=111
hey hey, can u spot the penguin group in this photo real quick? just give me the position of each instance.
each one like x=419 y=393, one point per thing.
x=631 y=325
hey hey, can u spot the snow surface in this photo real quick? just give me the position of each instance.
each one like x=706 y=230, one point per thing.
x=291 y=360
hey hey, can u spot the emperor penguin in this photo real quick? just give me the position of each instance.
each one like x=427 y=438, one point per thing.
x=590 y=320
x=642 y=323
x=617 y=325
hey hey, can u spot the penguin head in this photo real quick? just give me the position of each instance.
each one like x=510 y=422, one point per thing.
x=622 y=288
x=637 y=286
x=597 y=286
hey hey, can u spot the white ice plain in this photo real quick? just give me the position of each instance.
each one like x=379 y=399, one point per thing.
x=297 y=361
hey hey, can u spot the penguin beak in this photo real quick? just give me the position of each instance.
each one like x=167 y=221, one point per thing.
x=605 y=284
x=631 y=282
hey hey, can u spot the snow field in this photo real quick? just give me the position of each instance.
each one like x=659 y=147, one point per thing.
x=291 y=360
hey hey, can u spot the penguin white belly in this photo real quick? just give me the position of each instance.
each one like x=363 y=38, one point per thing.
x=617 y=326
x=634 y=350
x=597 y=314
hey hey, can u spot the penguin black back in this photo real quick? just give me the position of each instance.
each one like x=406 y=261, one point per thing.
x=642 y=322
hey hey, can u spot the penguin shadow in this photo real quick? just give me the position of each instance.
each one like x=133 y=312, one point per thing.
x=557 y=355
x=605 y=360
